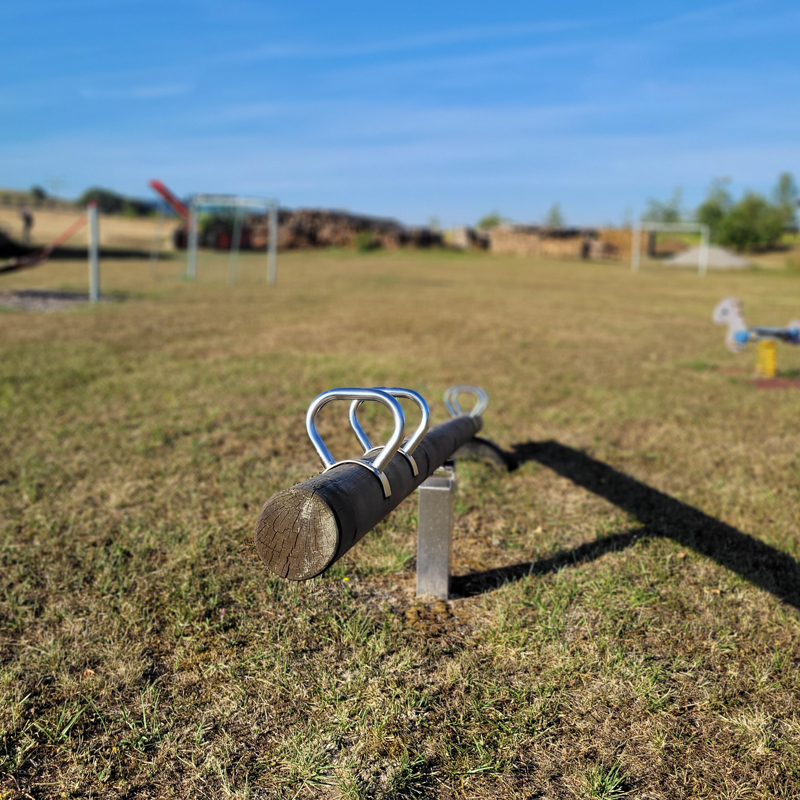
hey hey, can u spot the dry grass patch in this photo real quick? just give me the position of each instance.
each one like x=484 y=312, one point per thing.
x=626 y=622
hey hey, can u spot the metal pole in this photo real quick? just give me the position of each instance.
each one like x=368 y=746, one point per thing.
x=636 y=248
x=272 y=245
x=94 y=259
x=156 y=243
x=191 y=260
x=703 y=260
x=236 y=241
x=434 y=533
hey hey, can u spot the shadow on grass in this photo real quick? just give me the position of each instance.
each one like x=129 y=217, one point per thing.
x=660 y=515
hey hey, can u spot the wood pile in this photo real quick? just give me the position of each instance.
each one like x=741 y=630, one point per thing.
x=465 y=238
x=618 y=242
x=306 y=228
x=534 y=240
x=310 y=228
x=583 y=243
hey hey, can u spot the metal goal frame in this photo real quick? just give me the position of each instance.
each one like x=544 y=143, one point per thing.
x=240 y=204
x=702 y=256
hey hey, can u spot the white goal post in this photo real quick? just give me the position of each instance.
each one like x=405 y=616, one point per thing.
x=694 y=227
x=240 y=205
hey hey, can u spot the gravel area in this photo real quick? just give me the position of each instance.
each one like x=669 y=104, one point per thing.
x=718 y=258
x=36 y=300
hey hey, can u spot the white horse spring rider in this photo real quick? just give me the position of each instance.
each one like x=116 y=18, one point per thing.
x=730 y=312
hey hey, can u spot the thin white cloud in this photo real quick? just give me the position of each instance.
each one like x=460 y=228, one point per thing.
x=136 y=92
x=435 y=39
x=742 y=19
x=705 y=16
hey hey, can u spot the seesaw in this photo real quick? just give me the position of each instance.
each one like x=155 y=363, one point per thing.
x=730 y=312
x=301 y=531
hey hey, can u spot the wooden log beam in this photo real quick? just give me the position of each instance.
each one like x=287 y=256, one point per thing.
x=302 y=530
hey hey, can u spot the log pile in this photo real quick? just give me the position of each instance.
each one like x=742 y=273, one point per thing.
x=306 y=228
x=535 y=240
x=311 y=228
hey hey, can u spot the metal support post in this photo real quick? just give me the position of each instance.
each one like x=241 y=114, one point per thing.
x=156 y=243
x=636 y=248
x=434 y=532
x=702 y=265
x=94 y=255
x=236 y=241
x=272 y=246
x=191 y=261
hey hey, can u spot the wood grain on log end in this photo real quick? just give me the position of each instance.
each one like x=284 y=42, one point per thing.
x=296 y=533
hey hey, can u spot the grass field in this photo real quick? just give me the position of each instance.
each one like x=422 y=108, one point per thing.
x=626 y=620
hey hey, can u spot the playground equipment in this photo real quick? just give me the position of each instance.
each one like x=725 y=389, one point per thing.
x=240 y=205
x=302 y=530
x=43 y=255
x=177 y=206
x=730 y=312
x=240 y=236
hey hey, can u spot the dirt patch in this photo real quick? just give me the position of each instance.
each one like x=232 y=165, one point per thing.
x=777 y=383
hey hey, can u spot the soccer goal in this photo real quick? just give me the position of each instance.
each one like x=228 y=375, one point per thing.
x=240 y=207
x=692 y=227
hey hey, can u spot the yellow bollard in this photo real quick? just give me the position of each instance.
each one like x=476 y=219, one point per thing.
x=767 y=359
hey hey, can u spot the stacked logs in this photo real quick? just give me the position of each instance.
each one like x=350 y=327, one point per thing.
x=306 y=228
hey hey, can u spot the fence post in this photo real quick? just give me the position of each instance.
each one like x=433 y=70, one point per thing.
x=272 y=253
x=703 y=255
x=434 y=532
x=156 y=243
x=191 y=261
x=94 y=258
x=636 y=247
x=236 y=241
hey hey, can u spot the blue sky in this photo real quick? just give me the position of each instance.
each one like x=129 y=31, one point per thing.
x=412 y=110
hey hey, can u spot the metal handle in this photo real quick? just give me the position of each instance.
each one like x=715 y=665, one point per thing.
x=410 y=445
x=386 y=454
x=454 y=407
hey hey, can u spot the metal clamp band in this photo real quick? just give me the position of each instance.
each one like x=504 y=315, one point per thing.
x=410 y=445
x=454 y=407
x=358 y=395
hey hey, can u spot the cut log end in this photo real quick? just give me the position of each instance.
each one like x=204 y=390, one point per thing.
x=296 y=534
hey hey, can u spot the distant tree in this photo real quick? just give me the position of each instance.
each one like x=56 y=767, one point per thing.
x=664 y=212
x=717 y=205
x=554 y=218
x=38 y=194
x=785 y=197
x=111 y=202
x=752 y=224
x=490 y=221
x=108 y=202
x=434 y=224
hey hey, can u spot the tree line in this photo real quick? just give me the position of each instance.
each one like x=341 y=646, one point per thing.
x=753 y=222
x=108 y=201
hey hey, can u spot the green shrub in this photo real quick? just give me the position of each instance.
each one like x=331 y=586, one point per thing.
x=786 y=195
x=716 y=207
x=752 y=224
x=366 y=241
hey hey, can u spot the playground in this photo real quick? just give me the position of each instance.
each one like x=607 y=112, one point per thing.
x=624 y=617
